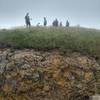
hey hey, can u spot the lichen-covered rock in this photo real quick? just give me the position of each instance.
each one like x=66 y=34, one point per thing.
x=34 y=75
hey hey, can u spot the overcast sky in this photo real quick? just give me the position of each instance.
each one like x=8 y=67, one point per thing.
x=83 y=12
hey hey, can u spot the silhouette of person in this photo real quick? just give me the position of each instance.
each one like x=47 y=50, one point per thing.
x=67 y=23
x=60 y=24
x=27 y=20
x=55 y=22
x=45 y=21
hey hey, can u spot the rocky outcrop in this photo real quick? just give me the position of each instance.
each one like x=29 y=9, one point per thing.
x=37 y=75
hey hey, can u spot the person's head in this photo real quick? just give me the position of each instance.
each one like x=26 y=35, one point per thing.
x=44 y=17
x=27 y=14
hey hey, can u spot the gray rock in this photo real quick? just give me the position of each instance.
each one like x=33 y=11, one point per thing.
x=2 y=67
x=25 y=66
x=95 y=97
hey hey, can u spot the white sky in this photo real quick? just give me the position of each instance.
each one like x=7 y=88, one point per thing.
x=83 y=12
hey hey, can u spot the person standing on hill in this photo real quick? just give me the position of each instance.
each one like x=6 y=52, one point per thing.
x=55 y=23
x=67 y=23
x=60 y=24
x=45 y=21
x=27 y=20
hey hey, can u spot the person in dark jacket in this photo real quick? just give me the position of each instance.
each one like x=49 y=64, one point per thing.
x=61 y=24
x=67 y=23
x=55 y=23
x=27 y=20
x=45 y=21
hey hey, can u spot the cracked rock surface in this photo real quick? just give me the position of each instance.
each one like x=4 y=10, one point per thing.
x=36 y=75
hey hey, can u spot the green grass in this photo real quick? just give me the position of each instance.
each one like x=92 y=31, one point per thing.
x=47 y=38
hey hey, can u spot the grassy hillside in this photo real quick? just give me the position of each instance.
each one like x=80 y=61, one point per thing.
x=75 y=39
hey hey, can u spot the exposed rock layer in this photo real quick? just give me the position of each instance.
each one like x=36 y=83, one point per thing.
x=34 y=75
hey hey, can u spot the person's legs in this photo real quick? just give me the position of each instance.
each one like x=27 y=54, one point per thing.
x=29 y=24
x=26 y=24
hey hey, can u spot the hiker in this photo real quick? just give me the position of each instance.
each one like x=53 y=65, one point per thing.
x=27 y=20
x=55 y=23
x=67 y=23
x=60 y=24
x=45 y=21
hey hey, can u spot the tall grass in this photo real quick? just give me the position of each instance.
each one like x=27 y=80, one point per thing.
x=46 y=38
